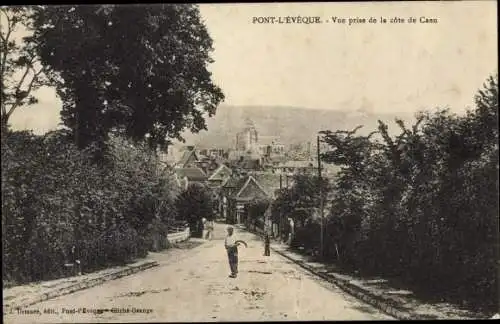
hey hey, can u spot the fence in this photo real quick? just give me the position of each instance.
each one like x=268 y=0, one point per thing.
x=179 y=236
x=178 y=232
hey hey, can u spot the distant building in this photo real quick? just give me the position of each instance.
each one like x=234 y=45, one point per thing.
x=217 y=153
x=214 y=153
x=187 y=176
x=255 y=152
x=248 y=163
x=219 y=176
x=270 y=145
x=301 y=151
x=193 y=158
x=293 y=167
x=169 y=156
x=248 y=138
x=189 y=158
x=270 y=182
x=238 y=192
x=242 y=189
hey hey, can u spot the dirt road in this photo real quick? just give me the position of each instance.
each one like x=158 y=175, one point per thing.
x=197 y=288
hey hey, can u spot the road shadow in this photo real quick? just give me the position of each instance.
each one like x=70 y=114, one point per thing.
x=260 y=272
x=140 y=293
x=186 y=245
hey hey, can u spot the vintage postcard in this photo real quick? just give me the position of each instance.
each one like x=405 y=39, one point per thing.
x=249 y=162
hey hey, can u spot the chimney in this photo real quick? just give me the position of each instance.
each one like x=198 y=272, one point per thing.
x=190 y=147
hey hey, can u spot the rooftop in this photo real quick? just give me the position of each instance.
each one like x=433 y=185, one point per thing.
x=298 y=164
x=186 y=156
x=269 y=140
x=218 y=173
x=234 y=182
x=193 y=174
x=270 y=182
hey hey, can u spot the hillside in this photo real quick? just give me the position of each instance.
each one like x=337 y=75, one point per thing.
x=292 y=124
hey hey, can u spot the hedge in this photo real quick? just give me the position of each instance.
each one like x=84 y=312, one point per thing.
x=421 y=206
x=59 y=206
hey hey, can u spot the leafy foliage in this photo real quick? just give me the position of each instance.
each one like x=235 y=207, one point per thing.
x=126 y=88
x=421 y=206
x=54 y=199
x=20 y=70
x=255 y=213
x=299 y=202
x=140 y=72
x=193 y=205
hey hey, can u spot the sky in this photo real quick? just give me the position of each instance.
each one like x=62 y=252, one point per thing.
x=391 y=67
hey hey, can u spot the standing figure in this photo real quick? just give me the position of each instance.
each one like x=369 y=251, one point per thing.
x=232 y=251
x=210 y=229
x=291 y=232
x=203 y=227
x=267 y=251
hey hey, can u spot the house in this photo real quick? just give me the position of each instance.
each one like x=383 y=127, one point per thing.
x=207 y=164
x=249 y=160
x=270 y=163
x=215 y=153
x=296 y=166
x=189 y=158
x=186 y=176
x=271 y=146
x=215 y=181
x=227 y=191
x=268 y=181
x=239 y=191
x=171 y=155
x=219 y=176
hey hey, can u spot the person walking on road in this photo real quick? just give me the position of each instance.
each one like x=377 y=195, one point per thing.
x=231 y=244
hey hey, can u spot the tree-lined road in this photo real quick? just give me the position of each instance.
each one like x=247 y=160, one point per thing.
x=197 y=288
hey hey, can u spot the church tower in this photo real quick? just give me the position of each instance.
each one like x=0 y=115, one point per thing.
x=248 y=138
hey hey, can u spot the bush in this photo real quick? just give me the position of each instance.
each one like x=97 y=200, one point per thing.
x=155 y=236
x=422 y=206
x=255 y=214
x=58 y=206
x=193 y=205
x=308 y=237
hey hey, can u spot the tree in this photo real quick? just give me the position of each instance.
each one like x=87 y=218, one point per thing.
x=147 y=192
x=194 y=204
x=256 y=210
x=53 y=199
x=20 y=70
x=422 y=205
x=141 y=71
x=485 y=116
x=300 y=202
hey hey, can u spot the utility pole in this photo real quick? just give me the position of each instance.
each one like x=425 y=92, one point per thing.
x=280 y=231
x=290 y=234
x=321 y=200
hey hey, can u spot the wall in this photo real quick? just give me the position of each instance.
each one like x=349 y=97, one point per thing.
x=179 y=236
